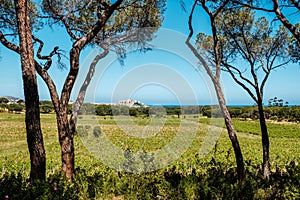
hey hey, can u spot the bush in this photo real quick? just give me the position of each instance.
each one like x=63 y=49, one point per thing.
x=214 y=111
x=4 y=100
x=209 y=180
x=46 y=108
x=15 y=108
x=103 y=110
x=97 y=131
x=133 y=112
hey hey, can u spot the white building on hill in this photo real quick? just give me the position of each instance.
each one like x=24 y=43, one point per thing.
x=131 y=103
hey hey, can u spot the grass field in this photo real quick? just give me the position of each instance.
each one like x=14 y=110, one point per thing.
x=190 y=176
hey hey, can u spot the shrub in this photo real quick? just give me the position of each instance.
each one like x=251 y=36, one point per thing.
x=97 y=131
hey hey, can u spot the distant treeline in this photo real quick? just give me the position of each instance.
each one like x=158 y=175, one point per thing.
x=277 y=113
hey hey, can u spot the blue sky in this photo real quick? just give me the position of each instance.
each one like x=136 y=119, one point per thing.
x=168 y=74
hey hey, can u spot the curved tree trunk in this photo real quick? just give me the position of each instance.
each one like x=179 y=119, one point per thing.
x=231 y=132
x=264 y=140
x=32 y=118
x=230 y=129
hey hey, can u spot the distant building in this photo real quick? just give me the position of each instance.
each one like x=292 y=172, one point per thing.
x=131 y=103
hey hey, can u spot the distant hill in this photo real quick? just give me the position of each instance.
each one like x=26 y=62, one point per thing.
x=11 y=98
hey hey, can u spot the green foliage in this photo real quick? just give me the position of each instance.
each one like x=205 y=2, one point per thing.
x=97 y=131
x=15 y=107
x=2 y=107
x=103 y=110
x=7 y=16
x=248 y=47
x=214 y=181
x=277 y=102
x=4 y=100
x=172 y=111
x=46 y=108
x=133 y=112
x=246 y=112
x=252 y=37
x=120 y=110
x=160 y=111
x=87 y=108
x=120 y=27
x=83 y=14
x=8 y=21
x=190 y=177
x=253 y=127
x=275 y=113
x=294 y=47
x=212 y=111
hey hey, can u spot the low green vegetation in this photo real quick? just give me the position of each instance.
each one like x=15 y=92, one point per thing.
x=276 y=129
x=189 y=177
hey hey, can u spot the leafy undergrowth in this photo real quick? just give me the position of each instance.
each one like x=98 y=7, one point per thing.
x=212 y=180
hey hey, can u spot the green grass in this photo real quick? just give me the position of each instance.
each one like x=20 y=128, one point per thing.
x=276 y=130
x=190 y=176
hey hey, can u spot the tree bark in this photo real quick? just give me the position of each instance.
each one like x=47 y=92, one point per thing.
x=32 y=117
x=265 y=141
x=65 y=132
x=66 y=142
x=231 y=132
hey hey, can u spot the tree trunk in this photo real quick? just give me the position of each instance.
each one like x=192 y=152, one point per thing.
x=66 y=142
x=264 y=140
x=32 y=118
x=222 y=103
x=231 y=132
